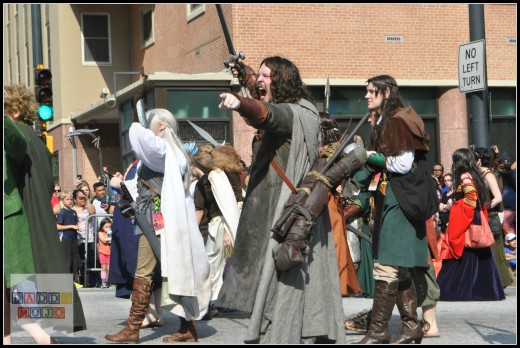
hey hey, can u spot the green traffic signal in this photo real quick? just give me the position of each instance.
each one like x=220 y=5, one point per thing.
x=45 y=112
x=43 y=93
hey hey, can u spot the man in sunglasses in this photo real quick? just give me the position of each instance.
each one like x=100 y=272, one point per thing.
x=55 y=199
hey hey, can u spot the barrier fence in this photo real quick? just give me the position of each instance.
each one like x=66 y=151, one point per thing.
x=93 y=220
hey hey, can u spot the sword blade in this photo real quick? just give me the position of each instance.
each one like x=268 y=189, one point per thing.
x=141 y=113
x=229 y=43
x=204 y=134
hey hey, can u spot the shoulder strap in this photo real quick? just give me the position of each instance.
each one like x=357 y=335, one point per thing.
x=486 y=172
x=151 y=188
x=283 y=176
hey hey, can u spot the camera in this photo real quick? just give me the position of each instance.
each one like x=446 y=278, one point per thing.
x=506 y=165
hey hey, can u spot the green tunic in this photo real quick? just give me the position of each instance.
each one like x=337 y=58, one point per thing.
x=402 y=242
x=18 y=257
x=36 y=189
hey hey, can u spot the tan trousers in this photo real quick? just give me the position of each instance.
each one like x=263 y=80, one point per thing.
x=391 y=274
x=146 y=259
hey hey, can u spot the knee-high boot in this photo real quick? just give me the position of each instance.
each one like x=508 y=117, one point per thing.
x=407 y=304
x=142 y=289
x=384 y=302
x=186 y=333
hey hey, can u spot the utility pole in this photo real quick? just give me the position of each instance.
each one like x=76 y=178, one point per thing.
x=479 y=100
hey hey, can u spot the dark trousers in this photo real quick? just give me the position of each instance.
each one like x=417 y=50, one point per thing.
x=93 y=278
x=70 y=249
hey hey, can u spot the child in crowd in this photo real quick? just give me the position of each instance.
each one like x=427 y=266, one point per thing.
x=510 y=250
x=105 y=238
x=67 y=223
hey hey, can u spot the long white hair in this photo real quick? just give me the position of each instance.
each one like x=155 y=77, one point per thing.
x=157 y=116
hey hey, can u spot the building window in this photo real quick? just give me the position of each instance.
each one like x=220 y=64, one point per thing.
x=147 y=36
x=95 y=31
x=200 y=107
x=194 y=10
x=195 y=104
x=502 y=115
x=55 y=164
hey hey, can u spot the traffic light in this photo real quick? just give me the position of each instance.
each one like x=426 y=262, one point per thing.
x=47 y=139
x=43 y=93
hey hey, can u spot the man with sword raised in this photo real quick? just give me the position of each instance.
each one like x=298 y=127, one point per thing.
x=288 y=305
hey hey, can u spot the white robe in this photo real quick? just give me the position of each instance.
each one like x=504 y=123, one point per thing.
x=228 y=221
x=184 y=261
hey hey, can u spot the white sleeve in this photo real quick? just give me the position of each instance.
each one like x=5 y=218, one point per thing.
x=401 y=163
x=148 y=147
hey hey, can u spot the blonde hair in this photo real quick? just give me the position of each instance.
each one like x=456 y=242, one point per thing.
x=221 y=157
x=155 y=118
x=19 y=98
x=66 y=194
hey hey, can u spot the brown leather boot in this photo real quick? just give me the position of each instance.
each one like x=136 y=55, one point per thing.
x=384 y=301
x=186 y=333
x=141 y=292
x=407 y=304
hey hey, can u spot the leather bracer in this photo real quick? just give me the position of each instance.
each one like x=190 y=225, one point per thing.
x=253 y=111
x=346 y=166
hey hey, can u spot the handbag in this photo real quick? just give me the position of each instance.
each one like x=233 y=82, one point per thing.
x=479 y=234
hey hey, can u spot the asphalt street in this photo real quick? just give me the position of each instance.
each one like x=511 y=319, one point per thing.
x=460 y=323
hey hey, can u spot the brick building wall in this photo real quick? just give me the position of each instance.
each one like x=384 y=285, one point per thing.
x=343 y=41
x=347 y=41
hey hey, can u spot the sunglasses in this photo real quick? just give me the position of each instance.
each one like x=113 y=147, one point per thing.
x=448 y=180
x=57 y=190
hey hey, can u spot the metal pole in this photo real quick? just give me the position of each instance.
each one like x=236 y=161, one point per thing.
x=36 y=26
x=479 y=100
x=74 y=158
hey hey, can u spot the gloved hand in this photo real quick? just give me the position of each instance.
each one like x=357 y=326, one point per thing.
x=291 y=252
x=376 y=161
x=246 y=76
x=291 y=213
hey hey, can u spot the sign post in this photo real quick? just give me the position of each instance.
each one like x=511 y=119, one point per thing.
x=472 y=67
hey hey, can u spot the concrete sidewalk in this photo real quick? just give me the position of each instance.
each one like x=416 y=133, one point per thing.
x=460 y=323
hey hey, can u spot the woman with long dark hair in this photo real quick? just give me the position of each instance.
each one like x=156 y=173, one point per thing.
x=404 y=200
x=485 y=158
x=467 y=274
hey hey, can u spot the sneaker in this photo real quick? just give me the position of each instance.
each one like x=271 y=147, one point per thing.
x=359 y=322
x=78 y=285
x=104 y=286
